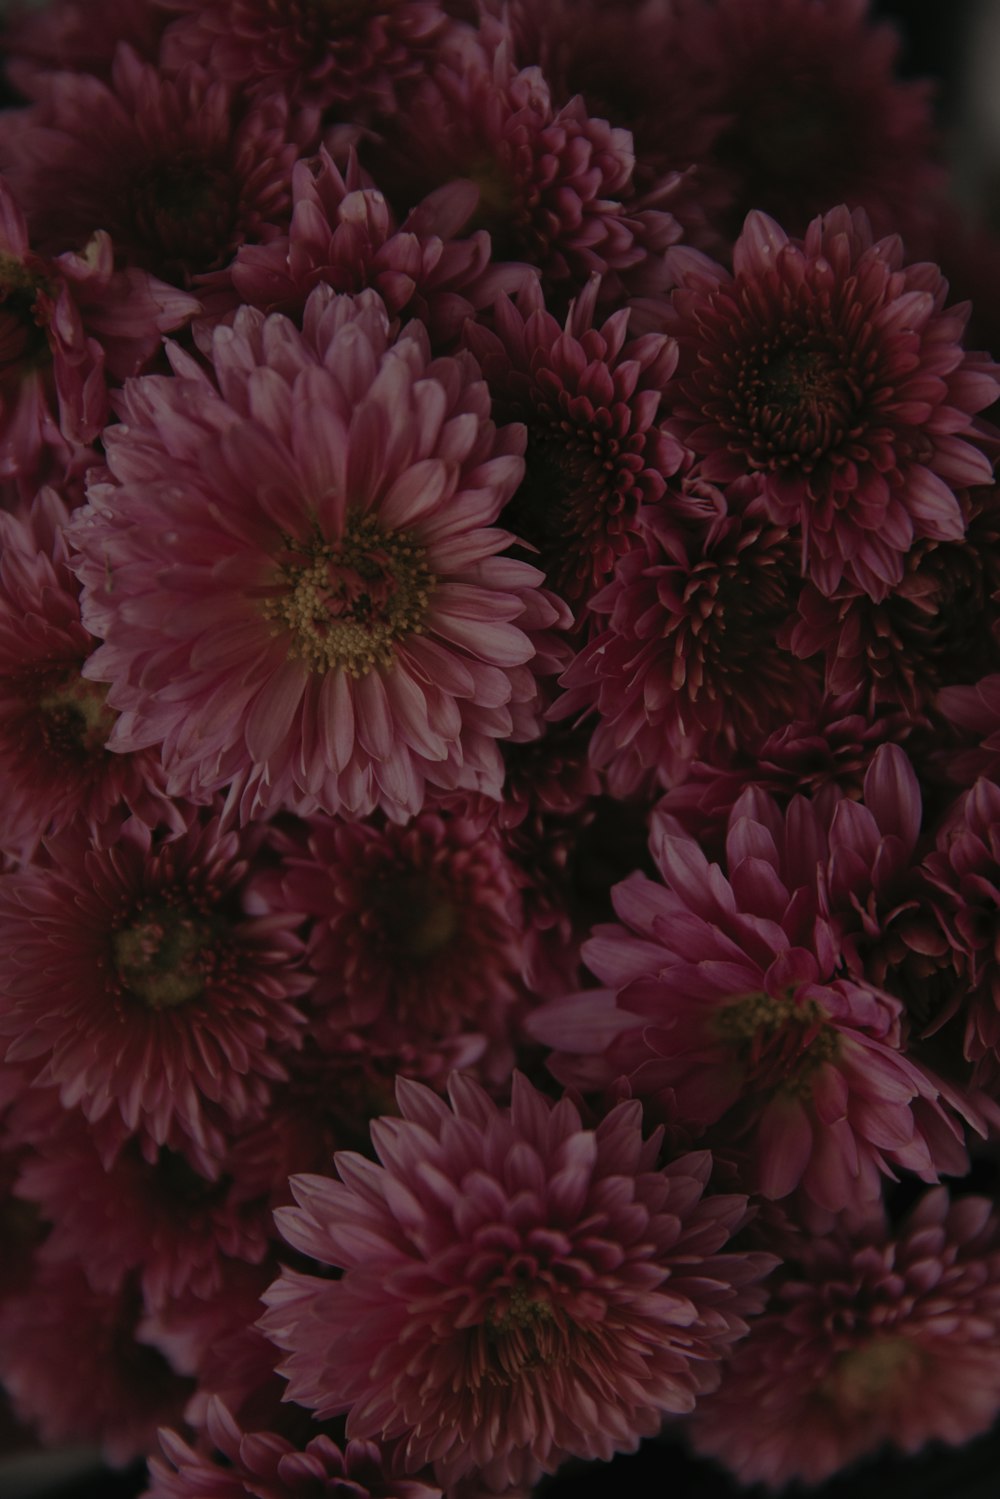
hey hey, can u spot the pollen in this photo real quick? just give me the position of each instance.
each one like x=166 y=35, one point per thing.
x=349 y=602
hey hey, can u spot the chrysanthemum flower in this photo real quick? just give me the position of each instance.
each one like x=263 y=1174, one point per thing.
x=870 y=1338
x=824 y=757
x=171 y=167
x=684 y=661
x=163 y=1220
x=516 y=1289
x=342 y=233
x=594 y=402
x=295 y=572
x=54 y=724
x=939 y=624
x=265 y=1465
x=76 y=36
x=73 y=1369
x=136 y=981
x=338 y=54
x=554 y=184
x=66 y=324
x=417 y=930
x=804 y=110
x=836 y=372
x=726 y=1006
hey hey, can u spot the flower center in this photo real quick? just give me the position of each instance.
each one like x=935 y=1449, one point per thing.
x=525 y=1336
x=865 y=1375
x=421 y=921
x=182 y=214
x=347 y=603
x=793 y=404
x=76 y=722
x=781 y=1042
x=167 y=957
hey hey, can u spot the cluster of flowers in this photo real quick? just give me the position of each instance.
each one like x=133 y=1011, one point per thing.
x=499 y=745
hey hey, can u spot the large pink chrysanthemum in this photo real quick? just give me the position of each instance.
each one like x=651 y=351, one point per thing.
x=65 y=325
x=342 y=233
x=136 y=981
x=836 y=372
x=555 y=185
x=684 y=661
x=173 y=167
x=264 y=1465
x=871 y=1338
x=727 y=1006
x=295 y=571
x=54 y=724
x=517 y=1289
x=594 y=403
x=403 y=918
x=345 y=56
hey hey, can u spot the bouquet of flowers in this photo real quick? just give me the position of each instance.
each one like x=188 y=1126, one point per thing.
x=499 y=745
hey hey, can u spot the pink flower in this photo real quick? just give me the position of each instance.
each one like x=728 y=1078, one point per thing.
x=870 y=1338
x=516 y=1289
x=343 y=234
x=836 y=372
x=939 y=624
x=975 y=713
x=594 y=402
x=171 y=167
x=727 y=1005
x=79 y=36
x=554 y=184
x=684 y=661
x=119 y=1392
x=65 y=325
x=294 y=569
x=54 y=724
x=344 y=57
x=402 y=916
x=161 y=1223
x=264 y=1465
x=137 y=981
x=804 y=109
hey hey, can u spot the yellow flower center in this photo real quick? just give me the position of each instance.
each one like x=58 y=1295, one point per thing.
x=782 y=1041
x=348 y=602
x=167 y=957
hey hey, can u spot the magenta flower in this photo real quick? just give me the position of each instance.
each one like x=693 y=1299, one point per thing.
x=65 y=325
x=727 y=1005
x=265 y=1465
x=294 y=570
x=345 y=57
x=870 y=1338
x=173 y=168
x=555 y=185
x=342 y=233
x=120 y=1391
x=684 y=662
x=516 y=1289
x=402 y=916
x=594 y=402
x=137 y=981
x=161 y=1223
x=54 y=724
x=836 y=372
